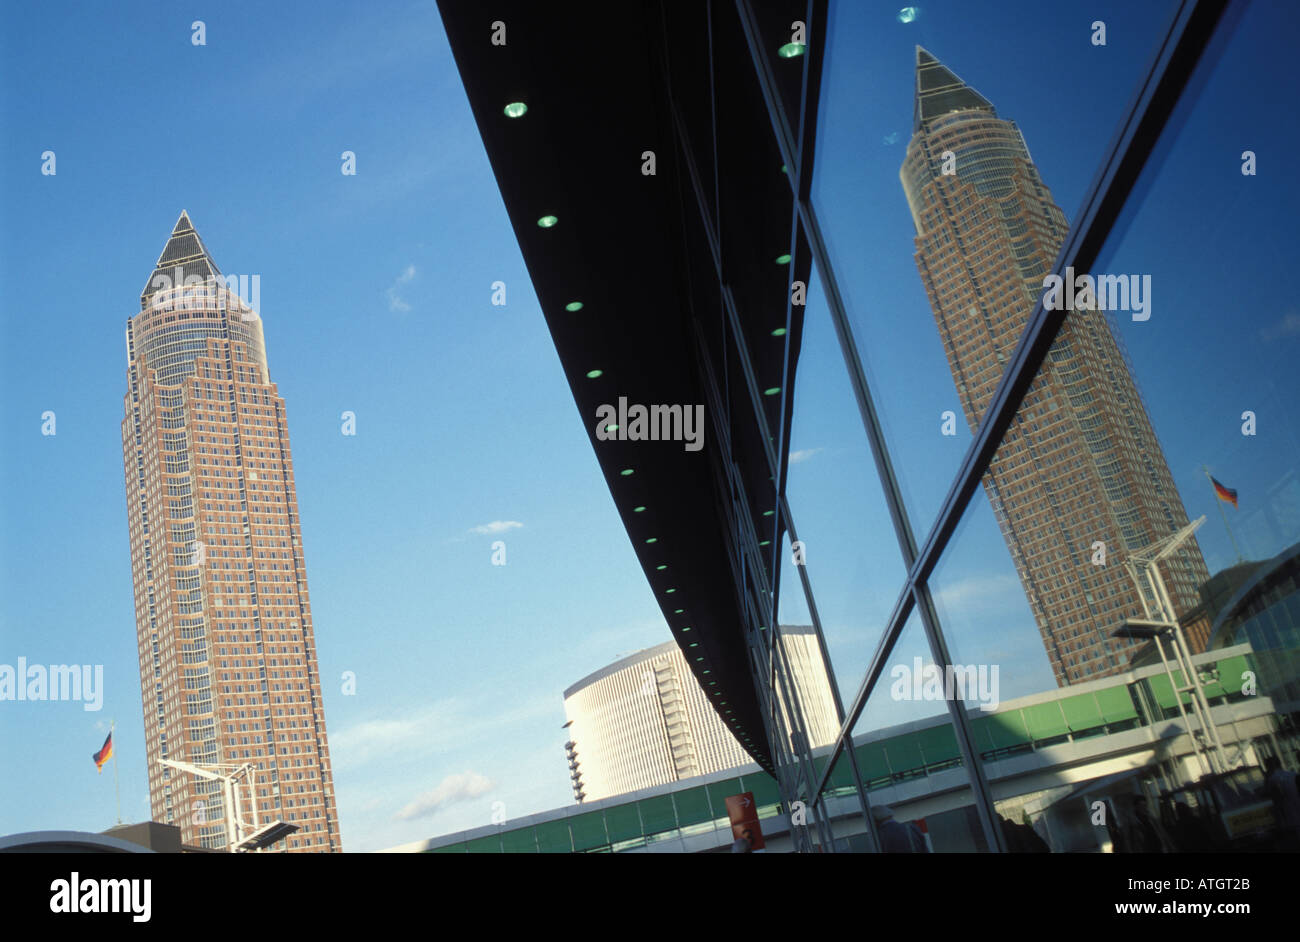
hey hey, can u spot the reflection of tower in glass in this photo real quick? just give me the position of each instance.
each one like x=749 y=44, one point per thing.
x=227 y=653
x=1081 y=463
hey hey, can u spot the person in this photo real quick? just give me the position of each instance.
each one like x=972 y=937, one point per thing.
x=896 y=837
x=1191 y=834
x=743 y=844
x=1145 y=839
x=1282 y=787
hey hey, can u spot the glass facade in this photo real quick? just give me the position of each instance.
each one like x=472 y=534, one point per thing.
x=1070 y=527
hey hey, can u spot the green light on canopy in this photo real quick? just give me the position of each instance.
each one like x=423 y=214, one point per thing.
x=636 y=510
x=547 y=221
x=516 y=109
x=779 y=332
x=626 y=471
x=783 y=259
x=594 y=374
x=661 y=567
x=785 y=169
x=693 y=644
x=772 y=392
x=768 y=513
x=678 y=611
x=765 y=543
x=791 y=50
x=611 y=428
x=684 y=627
x=653 y=539
x=708 y=671
x=573 y=306
x=669 y=591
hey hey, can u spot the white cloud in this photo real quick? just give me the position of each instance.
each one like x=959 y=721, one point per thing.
x=496 y=526
x=430 y=730
x=803 y=454
x=395 y=301
x=1287 y=326
x=981 y=594
x=461 y=786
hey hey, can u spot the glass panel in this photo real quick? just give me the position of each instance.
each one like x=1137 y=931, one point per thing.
x=622 y=822
x=692 y=806
x=907 y=754
x=939 y=221
x=1076 y=570
x=847 y=545
x=522 y=841
x=588 y=831
x=718 y=794
x=657 y=814
x=553 y=838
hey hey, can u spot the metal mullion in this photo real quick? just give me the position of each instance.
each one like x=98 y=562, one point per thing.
x=813 y=614
x=981 y=792
x=894 y=628
x=795 y=711
x=767 y=84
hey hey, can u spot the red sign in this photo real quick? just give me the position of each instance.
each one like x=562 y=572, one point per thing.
x=743 y=814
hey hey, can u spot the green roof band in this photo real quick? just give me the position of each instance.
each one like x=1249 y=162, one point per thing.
x=516 y=109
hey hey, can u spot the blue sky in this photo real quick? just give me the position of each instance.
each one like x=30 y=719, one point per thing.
x=375 y=295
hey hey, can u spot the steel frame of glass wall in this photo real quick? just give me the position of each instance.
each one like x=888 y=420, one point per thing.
x=1190 y=31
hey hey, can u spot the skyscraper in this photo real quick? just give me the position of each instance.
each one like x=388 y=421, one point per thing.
x=227 y=652
x=1081 y=465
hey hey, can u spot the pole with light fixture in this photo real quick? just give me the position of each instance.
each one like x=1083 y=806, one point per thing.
x=1162 y=622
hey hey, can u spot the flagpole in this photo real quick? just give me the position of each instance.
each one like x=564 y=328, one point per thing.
x=112 y=728
x=1223 y=514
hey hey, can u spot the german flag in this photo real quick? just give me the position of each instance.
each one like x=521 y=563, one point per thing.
x=1225 y=494
x=105 y=753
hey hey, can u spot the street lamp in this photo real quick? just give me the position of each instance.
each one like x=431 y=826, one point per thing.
x=1162 y=623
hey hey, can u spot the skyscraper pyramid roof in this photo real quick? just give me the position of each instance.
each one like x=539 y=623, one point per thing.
x=184 y=250
x=939 y=91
